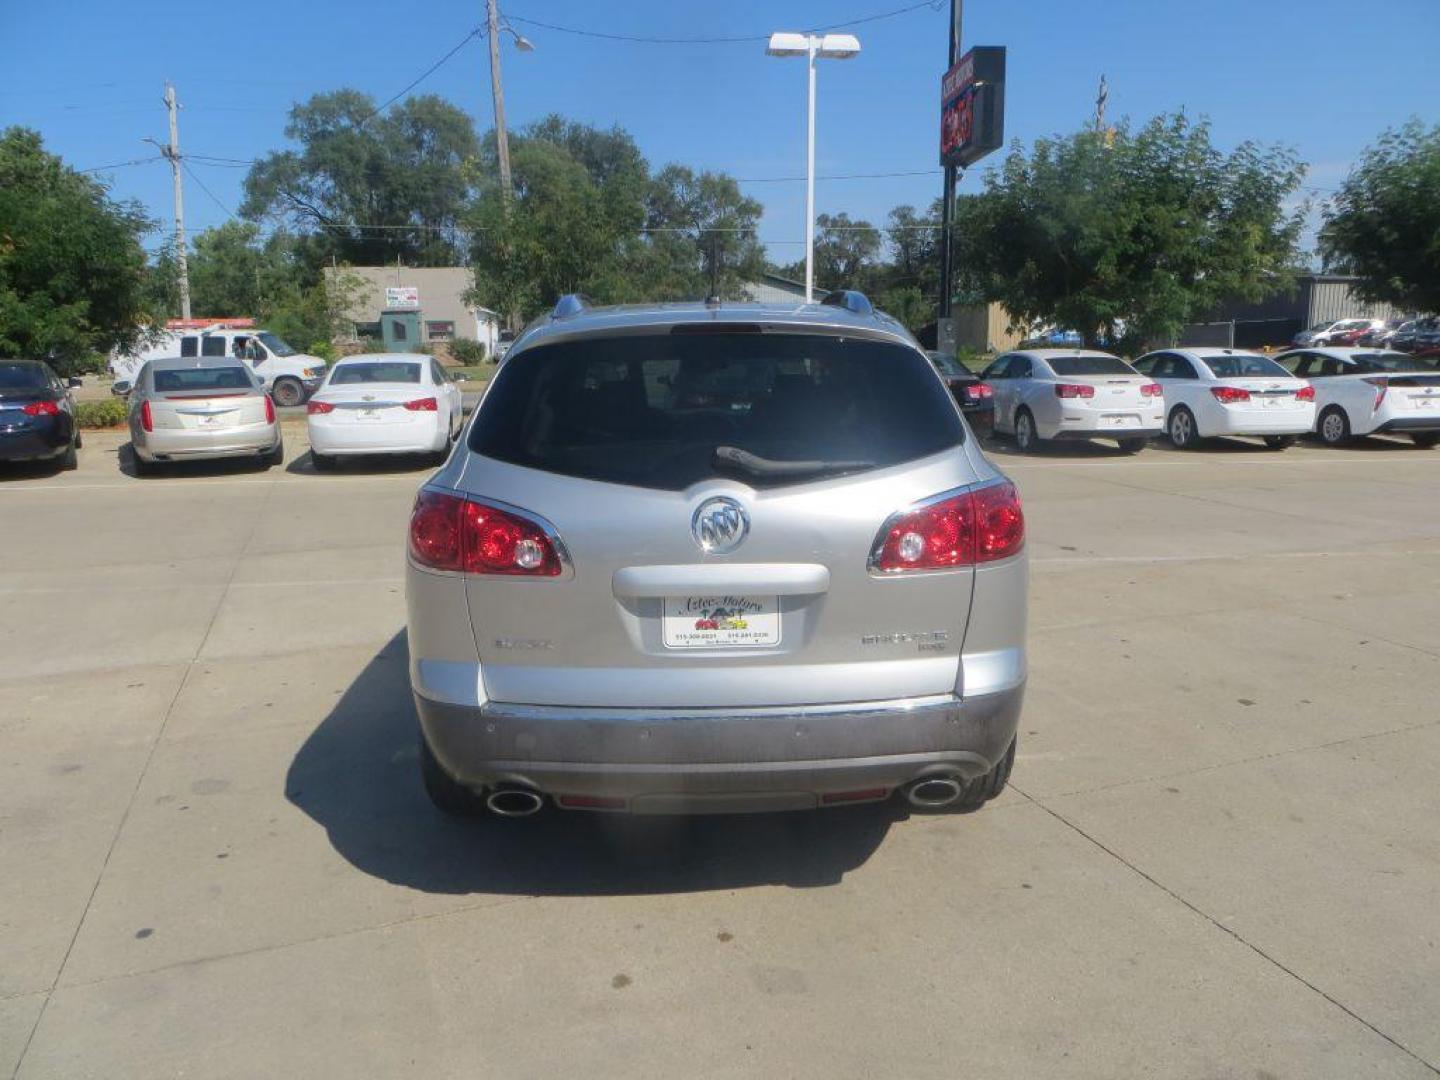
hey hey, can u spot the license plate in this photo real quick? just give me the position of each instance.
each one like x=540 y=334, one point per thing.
x=1276 y=402
x=210 y=421
x=720 y=622
x=1119 y=421
x=369 y=414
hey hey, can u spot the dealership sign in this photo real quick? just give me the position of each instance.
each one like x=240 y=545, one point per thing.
x=402 y=296
x=972 y=106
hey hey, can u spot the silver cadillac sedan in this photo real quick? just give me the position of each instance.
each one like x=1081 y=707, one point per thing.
x=198 y=408
x=696 y=558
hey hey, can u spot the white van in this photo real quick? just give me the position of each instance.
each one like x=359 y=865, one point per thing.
x=289 y=376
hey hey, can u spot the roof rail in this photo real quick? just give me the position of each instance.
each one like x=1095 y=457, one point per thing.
x=852 y=300
x=569 y=305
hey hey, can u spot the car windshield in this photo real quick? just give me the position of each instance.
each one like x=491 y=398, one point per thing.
x=669 y=410
x=946 y=364
x=1089 y=365
x=22 y=377
x=380 y=371
x=1243 y=364
x=200 y=379
x=1392 y=361
x=277 y=346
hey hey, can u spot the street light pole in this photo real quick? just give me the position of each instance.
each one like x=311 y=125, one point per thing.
x=172 y=152
x=813 y=47
x=497 y=93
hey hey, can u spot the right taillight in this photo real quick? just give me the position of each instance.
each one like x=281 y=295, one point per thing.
x=975 y=526
x=147 y=420
x=1305 y=393
x=448 y=532
x=1074 y=390
x=979 y=391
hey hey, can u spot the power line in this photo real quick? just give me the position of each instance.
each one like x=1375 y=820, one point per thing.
x=742 y=39
x=477 y=32
x=840 y=176
x=213 y=197
x=123 y=164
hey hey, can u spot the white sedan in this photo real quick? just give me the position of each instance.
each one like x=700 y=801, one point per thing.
x=1211 y=392
x=383 y=403
x=1045 y=394
x=1370 y=392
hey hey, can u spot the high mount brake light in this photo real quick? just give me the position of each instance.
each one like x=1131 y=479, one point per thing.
x=975 y=526
x=1074 y=390
x=448 y=532
x=1229 y=395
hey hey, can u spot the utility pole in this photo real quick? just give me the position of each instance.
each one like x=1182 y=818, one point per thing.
x=172 y=152
x=947 y=209
x=1101 y=98
x=497 y=92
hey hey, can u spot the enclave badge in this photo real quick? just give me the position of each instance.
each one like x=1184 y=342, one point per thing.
x=719 y=525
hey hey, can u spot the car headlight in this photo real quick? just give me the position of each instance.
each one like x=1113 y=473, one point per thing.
x=314 y=372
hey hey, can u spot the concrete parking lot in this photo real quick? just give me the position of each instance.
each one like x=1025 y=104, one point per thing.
x=1219 y=856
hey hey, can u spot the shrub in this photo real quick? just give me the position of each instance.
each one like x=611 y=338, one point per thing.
x=467 y=352
x=101 y=414
x=324 y=350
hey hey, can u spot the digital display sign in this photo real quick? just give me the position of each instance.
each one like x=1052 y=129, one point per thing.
x=972 y=106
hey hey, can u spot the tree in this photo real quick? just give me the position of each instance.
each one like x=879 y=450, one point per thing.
x=1384 y=223
x=370 y=188
x=72 y=271
x=1130 y=239
x=915 y=246
x=845 y=254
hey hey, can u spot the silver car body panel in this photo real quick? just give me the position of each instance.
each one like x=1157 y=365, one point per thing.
x=194 y=425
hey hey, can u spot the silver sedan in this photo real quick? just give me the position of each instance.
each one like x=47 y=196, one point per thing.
x=198 y=408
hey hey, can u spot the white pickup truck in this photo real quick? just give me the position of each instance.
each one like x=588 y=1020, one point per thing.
x=289 y=376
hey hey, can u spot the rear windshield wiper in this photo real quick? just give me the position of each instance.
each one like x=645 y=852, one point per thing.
x=735 y=458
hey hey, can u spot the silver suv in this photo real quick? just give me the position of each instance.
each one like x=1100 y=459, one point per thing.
x=714 y=558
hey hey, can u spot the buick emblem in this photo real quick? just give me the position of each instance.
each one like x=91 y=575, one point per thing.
x=719 y=525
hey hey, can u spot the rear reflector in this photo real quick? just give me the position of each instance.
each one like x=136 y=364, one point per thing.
x=41 y=408
x=867 y=795
x=1074 y=390
x=319 y=408
x=975 y=526
x=451 y=533
x=590 y=802
x=1229 y=395
x=424 y=404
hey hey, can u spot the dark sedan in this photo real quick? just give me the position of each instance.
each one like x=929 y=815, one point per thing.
x=37 y=415
x=977 y=400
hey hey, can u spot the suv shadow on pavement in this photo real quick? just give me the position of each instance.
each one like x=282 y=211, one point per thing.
x=357 y=776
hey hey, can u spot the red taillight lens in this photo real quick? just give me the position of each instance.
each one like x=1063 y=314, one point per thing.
x=424 y=404
x=1382 y=387
x=147 y=421
x=451 y=533
x=41 y=408
x=1074 y=390
x=1305 y=393
x=269 y=410
x=979 y=392
x=1229 y=395
x=1151 y=389
x=975 y=526
x=319 y=407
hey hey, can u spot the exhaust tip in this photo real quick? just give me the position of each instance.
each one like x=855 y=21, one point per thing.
x=933 y=792
x=514 y=802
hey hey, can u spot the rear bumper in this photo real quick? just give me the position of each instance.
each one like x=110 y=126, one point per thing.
x=1408 y=424
x=34 y=443
x=1260 y=422
x=1109 y=433
x=423 y=437
x=721 y=760
x=177 y=445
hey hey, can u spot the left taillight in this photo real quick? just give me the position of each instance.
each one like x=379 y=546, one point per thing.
x=976 y=526
x=424 y=404
x=147 y=418
x=269 y=410
x=448 y=532
x=318 y=408
x=41 y=408
x=1382 y=387
x=1230 y=395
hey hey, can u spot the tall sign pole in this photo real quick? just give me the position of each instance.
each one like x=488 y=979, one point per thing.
x=947 y=209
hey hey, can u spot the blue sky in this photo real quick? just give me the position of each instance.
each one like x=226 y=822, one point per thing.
x=1322 y=76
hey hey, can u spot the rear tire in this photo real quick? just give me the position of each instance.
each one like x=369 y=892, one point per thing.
x=1279 y=442
x=448 y=794
x=1026 y=439
x=69 y=460
x=322 y=462
x=79 y=440
x=271 y=458
x=1334 y=426
x=1132 y=446
x=984 y=788
x=1426 y=440
x=1182 y=430
x=287 y=392
x=140 y=465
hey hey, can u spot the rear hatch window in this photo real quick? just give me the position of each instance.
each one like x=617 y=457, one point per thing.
x=1089 y=365
x=667 y=411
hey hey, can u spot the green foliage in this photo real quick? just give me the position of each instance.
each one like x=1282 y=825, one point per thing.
x=847 y=255
x=468 y=351
x=908 y=304
x=1384 y=223
x=970 y=357
x=71 y=265
x=409 y=171
x=1130 y=239
x=101 y=414
x=324 y=348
